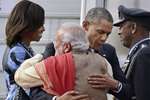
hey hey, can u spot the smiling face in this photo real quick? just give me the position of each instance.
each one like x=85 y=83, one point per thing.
x=97 y=32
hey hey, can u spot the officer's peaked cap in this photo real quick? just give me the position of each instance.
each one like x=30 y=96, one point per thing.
x=133 y=14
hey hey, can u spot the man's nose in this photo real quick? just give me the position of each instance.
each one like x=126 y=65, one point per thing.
x=104 y=37
x=43 y=28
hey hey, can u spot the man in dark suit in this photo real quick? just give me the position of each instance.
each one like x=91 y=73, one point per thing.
x=98 y=25
x=134 y=29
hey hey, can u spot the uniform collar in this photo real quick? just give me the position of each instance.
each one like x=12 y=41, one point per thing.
x=135 y=46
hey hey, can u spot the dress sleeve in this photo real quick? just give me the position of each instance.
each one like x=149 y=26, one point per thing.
x=15 y=57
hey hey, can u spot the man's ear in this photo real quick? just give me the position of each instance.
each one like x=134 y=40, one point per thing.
x=134 y=28
x=67 y=47
x=85 y=25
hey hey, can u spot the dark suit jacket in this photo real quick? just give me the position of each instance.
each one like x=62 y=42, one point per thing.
x=138 y=76
x=141 y=79
x=109 y=53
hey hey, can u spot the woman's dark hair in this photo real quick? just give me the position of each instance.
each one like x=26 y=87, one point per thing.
x=25 y=17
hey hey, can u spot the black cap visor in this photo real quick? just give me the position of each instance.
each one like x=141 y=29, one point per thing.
x=119 y=22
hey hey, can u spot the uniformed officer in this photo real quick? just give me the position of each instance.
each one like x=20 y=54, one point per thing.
x=134 y=28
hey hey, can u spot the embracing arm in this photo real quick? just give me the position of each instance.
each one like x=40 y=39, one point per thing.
x=118 y=75
x=123 y=92
x=26 y=75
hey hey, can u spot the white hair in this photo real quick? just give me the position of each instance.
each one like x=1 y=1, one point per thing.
x=74 y=34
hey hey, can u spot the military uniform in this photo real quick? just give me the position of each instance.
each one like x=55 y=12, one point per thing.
x=138 y=70
x=137 y=65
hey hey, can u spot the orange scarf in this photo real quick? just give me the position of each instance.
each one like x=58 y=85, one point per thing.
x=57 y=73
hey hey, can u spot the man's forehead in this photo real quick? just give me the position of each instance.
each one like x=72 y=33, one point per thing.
x=102 y=21
x=104 y=24
x=103 y=30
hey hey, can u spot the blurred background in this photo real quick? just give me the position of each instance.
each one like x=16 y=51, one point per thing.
x=59 y=11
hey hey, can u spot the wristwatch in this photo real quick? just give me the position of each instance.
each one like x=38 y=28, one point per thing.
x=54 y=98
x=119 y=87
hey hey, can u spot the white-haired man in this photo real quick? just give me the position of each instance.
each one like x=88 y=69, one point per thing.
x=69 y=69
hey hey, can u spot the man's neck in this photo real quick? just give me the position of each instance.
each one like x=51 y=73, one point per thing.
x=137 y=39
x=80 y=51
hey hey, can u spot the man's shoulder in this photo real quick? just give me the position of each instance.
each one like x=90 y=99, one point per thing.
x=108 y=46
x=145 y=50
x=49 y=50
x=59 y=58
x=107 y=49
